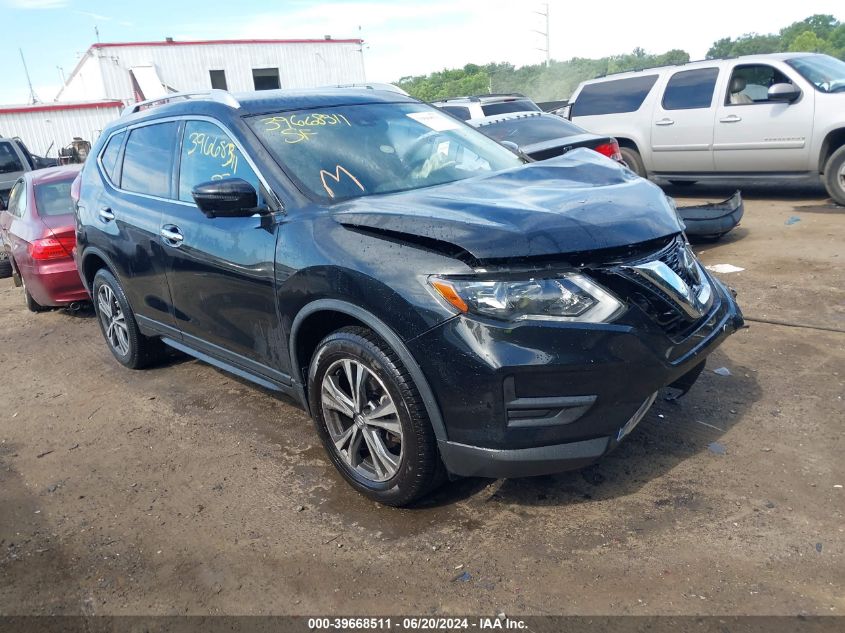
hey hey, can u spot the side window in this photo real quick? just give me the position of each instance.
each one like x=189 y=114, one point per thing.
x=459 y=112
x=750 y=84
x=148 y=159
x=17 y=199
x=209 y=154
x=109 y=156
x=614 y=96
x=10 y=162
x=690 y=89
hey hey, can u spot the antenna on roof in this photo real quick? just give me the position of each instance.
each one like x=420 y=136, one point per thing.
x=97 y=33
x=33 y=98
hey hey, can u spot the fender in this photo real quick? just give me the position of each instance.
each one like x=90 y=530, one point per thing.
x=390 y=337
x=93 y=250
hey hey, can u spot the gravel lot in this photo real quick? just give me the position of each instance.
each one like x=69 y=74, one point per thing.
x=184 y=490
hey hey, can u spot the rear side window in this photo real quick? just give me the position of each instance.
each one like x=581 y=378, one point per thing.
x=611 y=97
x=17 y=199
x=690 y=89
x=209 y=154
x=53 y=199
x=504 y=107
x=9 y=160
x=109 y=156
x=457 y=111
x=148 y=159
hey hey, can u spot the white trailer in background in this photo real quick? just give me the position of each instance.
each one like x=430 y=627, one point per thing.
x=46 y=127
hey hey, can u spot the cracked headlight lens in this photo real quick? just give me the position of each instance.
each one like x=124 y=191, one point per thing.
x=566 y=298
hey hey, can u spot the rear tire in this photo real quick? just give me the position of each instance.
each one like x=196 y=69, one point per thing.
x=117 y=323
x=634 y=161
x=31 y=304
x=377 y=433
x=834 y=176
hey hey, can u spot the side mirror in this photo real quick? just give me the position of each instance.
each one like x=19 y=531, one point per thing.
x=512 y=147
x=227 y=198
x=783 y=92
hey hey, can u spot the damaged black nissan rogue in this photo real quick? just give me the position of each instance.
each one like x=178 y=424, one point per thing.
x=438 y=305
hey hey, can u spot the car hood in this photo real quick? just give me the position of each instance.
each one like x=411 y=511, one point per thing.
x=573 y=203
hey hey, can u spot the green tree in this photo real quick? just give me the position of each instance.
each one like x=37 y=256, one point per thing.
x=811 y=43
x=818 y=33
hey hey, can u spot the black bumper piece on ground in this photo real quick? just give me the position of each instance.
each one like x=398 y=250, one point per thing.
x=713 y=220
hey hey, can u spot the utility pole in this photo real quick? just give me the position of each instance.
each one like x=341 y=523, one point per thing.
x=545 y=33
x=33 y=98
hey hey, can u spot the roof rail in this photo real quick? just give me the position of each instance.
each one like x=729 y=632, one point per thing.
x=473 y=99
x=220 y=96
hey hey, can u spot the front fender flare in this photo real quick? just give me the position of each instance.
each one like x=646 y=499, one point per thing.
x=386 y=333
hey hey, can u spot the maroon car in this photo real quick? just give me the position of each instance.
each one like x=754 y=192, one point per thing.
x=38 y=234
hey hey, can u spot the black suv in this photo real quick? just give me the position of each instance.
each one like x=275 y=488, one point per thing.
x=436 y=303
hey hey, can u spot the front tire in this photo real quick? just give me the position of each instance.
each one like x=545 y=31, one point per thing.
x=834 y=176
x=117 y=323
x=634 y=161
x=371 y=419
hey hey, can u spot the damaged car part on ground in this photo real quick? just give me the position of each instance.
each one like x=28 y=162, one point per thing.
x=428 y=297
x=712 y=220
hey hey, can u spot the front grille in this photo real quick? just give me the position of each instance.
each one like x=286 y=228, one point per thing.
x=673 y=257
x=659 y=307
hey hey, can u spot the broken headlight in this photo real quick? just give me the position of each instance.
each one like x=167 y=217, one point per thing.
x=571 y=297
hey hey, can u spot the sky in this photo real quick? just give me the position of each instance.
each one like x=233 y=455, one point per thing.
x=402 y=38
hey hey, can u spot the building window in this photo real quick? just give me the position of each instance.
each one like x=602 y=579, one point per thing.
x=266 y=78
x=218 y=79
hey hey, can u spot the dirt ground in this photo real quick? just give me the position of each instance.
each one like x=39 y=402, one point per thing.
x=184 y=490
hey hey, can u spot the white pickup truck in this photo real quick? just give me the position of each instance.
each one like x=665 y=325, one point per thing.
x=779 y=115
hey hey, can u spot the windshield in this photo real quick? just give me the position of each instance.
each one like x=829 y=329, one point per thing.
x=53 y=198
x=9 y=161
x=531 y=129
x=826 y=73
x=351 y=151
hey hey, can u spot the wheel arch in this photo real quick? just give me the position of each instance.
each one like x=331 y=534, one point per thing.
x=319 y=318
x=832 y=142
x=93 y=260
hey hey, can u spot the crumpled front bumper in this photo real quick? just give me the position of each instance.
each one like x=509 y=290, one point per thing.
x=539 y=398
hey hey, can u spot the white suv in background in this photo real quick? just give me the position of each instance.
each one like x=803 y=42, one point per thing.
x=780 y=115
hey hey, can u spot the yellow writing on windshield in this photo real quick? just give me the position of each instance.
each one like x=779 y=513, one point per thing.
x=296 y=128
x=336 y=177
x=215 y=147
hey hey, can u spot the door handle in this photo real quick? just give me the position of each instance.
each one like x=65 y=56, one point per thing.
x=171 y=234
x=665 y=121
x=106 y=214
x=731 y=119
